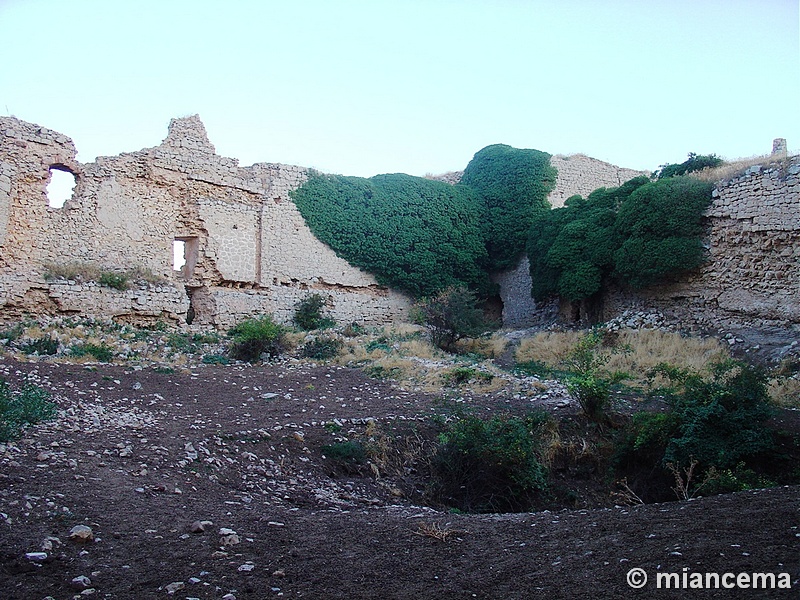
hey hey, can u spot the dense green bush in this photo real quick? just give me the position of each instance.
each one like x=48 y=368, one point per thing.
x=715 y=425
x=695 y=162
x=490 y=465
x=451 y=315
x=43 y=346
x=412 y=233
x=115 y=280
x=308 y=314
x=514 y=184
x=633 y=235
x=660 y=226
x=28 y=406
x=254 y=338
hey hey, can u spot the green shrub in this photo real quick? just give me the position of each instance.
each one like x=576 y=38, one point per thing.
x=451 y=315
x=115 y=280
x=695 y=162
x=28 y=406
x=321 y=348
x=490 y=465
x=634 y=235
x=513 y=184
x=587 y=379
x=413 y=234
x=12 y=333
x=215 y=359
x=308 y=314
x=461 y=375
x=714 y=426
x=181 y=342
x=43 y=346
x=101 y=352
x=349 y=455
x=254 y=338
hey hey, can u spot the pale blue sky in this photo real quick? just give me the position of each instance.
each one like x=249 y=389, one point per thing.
x=361 y=88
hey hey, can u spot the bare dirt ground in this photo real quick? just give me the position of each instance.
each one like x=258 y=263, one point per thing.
x=148 y=459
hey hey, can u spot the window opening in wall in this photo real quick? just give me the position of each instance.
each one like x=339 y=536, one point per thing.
x=184 y=255
x=178 y=254
x=61 y=185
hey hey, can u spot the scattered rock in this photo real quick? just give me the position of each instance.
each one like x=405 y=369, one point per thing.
x=36 y=556
x=174 y=587
x=82 y=534
x=228 y=537
x=80 y=583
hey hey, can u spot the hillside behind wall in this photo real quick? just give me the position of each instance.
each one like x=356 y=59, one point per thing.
x=577 y=174
x=248 y=250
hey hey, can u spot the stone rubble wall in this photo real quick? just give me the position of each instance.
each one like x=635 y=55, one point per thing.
x=577 y=174
x=251 y=252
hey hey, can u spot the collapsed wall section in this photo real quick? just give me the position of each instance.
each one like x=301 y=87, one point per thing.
x=247 y=251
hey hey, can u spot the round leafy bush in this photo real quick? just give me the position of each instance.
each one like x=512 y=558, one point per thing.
x=254 y=338
x=308 y=314
x=490 y=465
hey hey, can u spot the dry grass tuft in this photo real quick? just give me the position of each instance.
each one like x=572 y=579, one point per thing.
x=735 y=168
x=549 y=347
x=785 y=392
x=442 y=533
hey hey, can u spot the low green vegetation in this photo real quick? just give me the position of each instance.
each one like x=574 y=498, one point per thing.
x=101 y=352
x=253 y=339
x=452 y=315
x=308 y=314
x=322 y=347
x=27 y=406
x=490 y=464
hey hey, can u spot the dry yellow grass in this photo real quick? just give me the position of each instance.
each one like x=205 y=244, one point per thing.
x=785 y=392
x=490 y=347
x=735 y=168
x=644 y=349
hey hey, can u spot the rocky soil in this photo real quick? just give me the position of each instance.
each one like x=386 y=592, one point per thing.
x=212 y=482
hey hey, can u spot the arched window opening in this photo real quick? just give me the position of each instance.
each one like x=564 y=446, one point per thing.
x=61 y=185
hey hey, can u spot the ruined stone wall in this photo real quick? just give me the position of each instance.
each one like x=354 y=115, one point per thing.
x=577 y=174
x=751 y=279
x=248 y=249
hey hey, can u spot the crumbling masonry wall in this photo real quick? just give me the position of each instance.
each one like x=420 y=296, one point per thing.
x=248 y=249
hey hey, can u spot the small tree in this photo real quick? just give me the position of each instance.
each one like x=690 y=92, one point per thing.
x=451 y=315
x=589 y=382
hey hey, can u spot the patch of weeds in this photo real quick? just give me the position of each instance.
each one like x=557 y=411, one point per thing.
x=535 y=368
x=308 y=314
x=115 y=280
x=215 y=359
x=101 y=352
x=463 y=375
x=348 y=455
x=181 y=342
x=381 y=372
x=13 y=333
x=382 y=343
x=332 y=427
x=163 y=370
x=28 y=406
x=211 y=337
x=43 y=346
x=322 y=348
x=354 y=330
